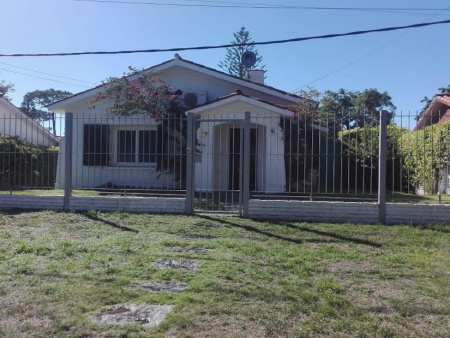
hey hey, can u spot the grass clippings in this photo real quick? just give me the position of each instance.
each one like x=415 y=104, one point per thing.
x=256 y=279
x=174 y=264
x=163 y=287
x=192 y=250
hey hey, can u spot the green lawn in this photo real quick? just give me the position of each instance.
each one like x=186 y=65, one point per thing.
x=259 y=279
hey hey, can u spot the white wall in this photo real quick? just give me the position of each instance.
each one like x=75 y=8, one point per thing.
x=96 y=176
x=271 y=167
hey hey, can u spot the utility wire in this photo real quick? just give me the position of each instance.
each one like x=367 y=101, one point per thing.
x=373 y=51
x=36 y=71
x=178 y=49
x=227 y=4
x=43 y=78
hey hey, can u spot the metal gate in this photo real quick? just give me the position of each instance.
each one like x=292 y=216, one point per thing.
x=217 y=169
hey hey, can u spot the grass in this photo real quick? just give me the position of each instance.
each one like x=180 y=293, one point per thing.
x=260 y=279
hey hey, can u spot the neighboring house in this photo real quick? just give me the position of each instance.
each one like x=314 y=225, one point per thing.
x=217 y=100
x=15 y=123
x=437 y=112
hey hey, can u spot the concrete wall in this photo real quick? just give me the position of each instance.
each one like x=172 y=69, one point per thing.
x=86 y=203
x=334 y=212
x=303 y=211
x=352 y=212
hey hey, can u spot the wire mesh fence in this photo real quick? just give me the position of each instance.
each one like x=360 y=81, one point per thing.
x=290 y=157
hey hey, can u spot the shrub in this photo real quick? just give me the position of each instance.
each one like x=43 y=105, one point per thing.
x=26 y=165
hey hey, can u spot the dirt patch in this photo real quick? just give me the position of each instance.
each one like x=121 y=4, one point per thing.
x=147 y=315
x=164 y=287
x=208 y=225
x=173 y=264
x=377 y=295
x=193 y=250
x=194 y=235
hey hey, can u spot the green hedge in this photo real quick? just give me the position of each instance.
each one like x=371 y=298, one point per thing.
x=361 y=150
x=26 y=165
x=426 y=155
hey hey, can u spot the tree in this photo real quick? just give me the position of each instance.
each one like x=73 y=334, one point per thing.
x=352 y=109
x=146 y=93
x=6 y=88
x=368 y=105
x=339 y=106
x=232 y=63
x=427 y=100
x=34 y=103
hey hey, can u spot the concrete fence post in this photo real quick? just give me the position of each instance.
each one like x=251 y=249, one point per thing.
x=246 y=166
x=190 y=153
x=382 y=168
x=68 y=136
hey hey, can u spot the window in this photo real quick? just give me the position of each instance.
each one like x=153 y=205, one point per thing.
x=135 y=146
x=95 y=145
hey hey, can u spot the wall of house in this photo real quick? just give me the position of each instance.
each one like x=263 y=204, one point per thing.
x=209 y=168
x=84 y=177
x=189 y=81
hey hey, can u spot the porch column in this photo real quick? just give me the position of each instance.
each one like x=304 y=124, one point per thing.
x=275 y=173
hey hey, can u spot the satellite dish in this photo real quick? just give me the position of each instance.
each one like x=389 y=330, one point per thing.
x=248 y=59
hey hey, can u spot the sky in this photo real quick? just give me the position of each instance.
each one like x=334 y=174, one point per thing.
x=408 y=64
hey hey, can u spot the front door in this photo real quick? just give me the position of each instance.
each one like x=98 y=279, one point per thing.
x=235 y=167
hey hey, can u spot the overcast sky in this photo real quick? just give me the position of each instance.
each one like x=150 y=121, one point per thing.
x=408 y=64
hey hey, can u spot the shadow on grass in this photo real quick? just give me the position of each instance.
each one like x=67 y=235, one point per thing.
x=332 y=235
x=336 y=237
x=114 y=225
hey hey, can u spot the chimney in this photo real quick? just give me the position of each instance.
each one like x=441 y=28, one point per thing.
x=256 y=76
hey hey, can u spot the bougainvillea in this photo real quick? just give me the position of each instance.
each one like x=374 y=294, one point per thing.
x=146 y=93
x=137 y=92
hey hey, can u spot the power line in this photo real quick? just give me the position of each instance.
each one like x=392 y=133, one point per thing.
x=36 y=71
x=365 y=55
x=228 y=4
x=43 y=78
x=178 y=49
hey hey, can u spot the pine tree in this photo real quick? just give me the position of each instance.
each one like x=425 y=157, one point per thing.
x=232 y=63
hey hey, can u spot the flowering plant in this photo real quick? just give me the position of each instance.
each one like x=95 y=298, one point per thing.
x=137 y=92
x=143 y=92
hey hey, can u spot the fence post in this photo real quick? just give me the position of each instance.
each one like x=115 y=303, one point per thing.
x=382 y=168
x=246 y=166
x=68 y=138
x=190 y=153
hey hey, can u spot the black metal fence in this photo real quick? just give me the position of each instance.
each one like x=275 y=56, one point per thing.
x=290 y=157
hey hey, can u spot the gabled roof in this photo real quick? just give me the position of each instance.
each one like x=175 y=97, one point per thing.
x=239 y=96
x=12 y=112
x=435 y=111
x=177 y=61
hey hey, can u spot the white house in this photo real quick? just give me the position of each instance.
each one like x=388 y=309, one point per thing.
x=13 y=122
x=105 y=146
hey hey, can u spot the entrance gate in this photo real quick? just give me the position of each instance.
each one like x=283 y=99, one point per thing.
x=217 y=169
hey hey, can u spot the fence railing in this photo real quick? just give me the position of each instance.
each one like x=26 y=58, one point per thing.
x=296 y=157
